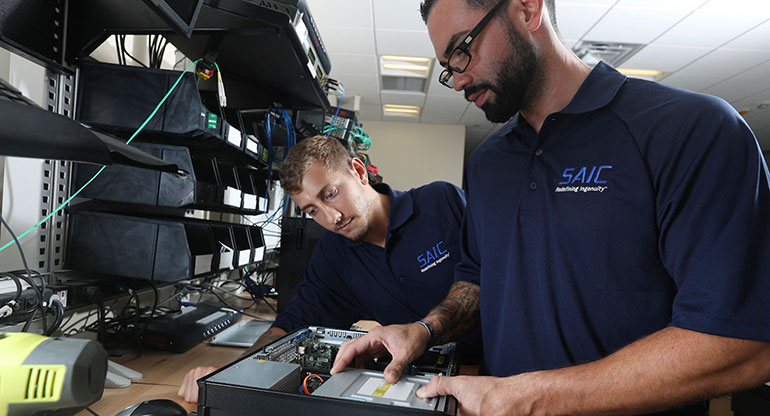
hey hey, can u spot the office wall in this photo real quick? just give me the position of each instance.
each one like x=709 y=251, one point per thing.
x=411 y=154
x=21 y=179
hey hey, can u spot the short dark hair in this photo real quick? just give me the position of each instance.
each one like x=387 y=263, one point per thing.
x=304 y=154
x=427 y=6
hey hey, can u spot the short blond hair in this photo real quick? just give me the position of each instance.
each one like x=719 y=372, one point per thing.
x=304 y=154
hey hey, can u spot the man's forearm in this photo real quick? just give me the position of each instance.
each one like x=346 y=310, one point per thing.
x=457 y=313
x=669 y=368
x=269 y=336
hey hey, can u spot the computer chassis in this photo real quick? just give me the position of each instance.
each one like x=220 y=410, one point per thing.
x=291 y=376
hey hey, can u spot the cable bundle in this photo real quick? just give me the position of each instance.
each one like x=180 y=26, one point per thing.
x=291 y=140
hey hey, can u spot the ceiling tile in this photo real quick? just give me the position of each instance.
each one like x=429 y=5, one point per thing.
x=351 y=41
x=751 y=103
x=368 y=82
x=404 y=42
x=716 y=23
x=690 y=81
x=757 y=39
x=349 y=64
x=606 y=3
x=738 y=88
x=401 y=118
x=370 y=98
x=686 y=5
x=575 y=19
x=326 y=13
x=402 y=98
x=759 y=71
x=725 y=62
x=398 y=14
x=664 y=58
x=443 y=110
x=636 y=24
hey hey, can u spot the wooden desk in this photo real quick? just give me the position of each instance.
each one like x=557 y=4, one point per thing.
x=163 y=373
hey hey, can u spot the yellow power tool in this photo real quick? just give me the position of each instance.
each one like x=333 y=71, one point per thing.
x=40 y=374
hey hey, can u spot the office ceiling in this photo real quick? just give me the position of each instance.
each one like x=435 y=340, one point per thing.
x=714 y=46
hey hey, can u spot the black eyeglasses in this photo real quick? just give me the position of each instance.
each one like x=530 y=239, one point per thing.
x=460 y=57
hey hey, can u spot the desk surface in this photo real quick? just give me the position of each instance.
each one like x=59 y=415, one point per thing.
x=163 y=372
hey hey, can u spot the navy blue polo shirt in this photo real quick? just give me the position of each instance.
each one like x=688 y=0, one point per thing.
x=636 y=207
x=347 y=281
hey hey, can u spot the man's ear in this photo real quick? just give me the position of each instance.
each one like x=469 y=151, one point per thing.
x=360 y=170
x=533 y=13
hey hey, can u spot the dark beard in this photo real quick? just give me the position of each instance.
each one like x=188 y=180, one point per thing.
x=518 y=81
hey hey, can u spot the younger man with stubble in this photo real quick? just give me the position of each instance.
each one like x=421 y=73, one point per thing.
x=390 y=255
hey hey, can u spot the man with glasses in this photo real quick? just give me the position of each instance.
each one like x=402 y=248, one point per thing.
x=616 y=241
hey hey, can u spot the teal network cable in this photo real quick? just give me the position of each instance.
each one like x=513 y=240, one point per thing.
x=102 y=168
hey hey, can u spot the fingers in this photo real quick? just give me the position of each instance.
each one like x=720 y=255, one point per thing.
x=438 y=386
x=348 y=351
x=189 y=388
x=394 y=369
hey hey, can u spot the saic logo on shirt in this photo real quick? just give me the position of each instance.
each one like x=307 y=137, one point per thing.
x=432 y=256
x=584 y=179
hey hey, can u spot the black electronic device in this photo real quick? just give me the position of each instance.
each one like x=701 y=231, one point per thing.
x=156 y=248
x=118 y=98
x=342 y=123
x=30 y=131
x=212 y=183
x=299 y=237
x=181 y=330
x=306 y=29
x=180 y=14
x=291 y=376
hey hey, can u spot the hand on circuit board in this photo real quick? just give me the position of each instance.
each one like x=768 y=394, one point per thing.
x=404 y=343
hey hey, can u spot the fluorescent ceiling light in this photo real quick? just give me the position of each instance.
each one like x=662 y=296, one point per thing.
x=641 y=72
x=405 y=67
x=401 y=109
x=421 y=68
x=406 y=59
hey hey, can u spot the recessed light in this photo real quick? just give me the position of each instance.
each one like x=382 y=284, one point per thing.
x=405 y=73
x=648 y=73
x=406 y=59
x=397 y=109
x=421 y=68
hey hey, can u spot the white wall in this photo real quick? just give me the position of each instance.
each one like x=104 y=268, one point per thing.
x=21 y=179
x=410 y=154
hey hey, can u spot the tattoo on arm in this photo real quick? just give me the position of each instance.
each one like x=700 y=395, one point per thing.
x=457 y=313
x=269 y=336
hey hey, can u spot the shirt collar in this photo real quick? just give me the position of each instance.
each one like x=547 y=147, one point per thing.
x=598 y=89
x=401 y=209
x=601 y=86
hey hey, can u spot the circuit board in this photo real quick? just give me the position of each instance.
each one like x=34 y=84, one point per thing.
x=316 y=356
